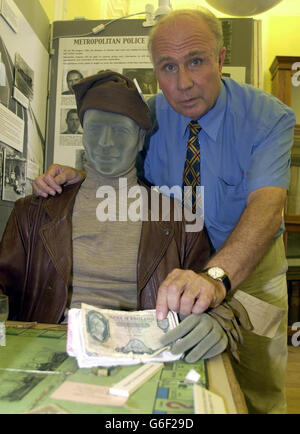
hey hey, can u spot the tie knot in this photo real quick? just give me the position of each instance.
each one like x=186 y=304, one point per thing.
x=194 y=127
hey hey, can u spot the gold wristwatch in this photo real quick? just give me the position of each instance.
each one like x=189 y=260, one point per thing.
x=218 y=273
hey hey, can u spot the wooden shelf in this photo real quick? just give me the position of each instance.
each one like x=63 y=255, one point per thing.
x=281 y=72
x=282 y=87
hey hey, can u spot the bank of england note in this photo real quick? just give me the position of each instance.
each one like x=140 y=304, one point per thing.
x=104 y=337
x=121 y=333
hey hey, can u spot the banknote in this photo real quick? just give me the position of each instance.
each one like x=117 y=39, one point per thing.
x=104 y=337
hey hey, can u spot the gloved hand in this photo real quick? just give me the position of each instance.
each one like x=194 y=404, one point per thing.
x=200 y=335
x=208 y=334
x=231 y=314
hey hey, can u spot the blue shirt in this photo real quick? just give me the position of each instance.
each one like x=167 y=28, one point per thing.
x=245 y=144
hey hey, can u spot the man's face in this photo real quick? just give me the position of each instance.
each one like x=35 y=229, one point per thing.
x=187 y=66
x=111 y=141
x=72 y=79
x=98 y=328
x=73 y=123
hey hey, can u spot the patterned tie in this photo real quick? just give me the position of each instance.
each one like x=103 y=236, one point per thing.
x=191 y=174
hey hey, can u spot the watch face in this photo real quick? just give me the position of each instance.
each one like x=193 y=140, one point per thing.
x=216 y=272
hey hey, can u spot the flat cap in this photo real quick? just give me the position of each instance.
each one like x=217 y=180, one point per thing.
x=112 y=92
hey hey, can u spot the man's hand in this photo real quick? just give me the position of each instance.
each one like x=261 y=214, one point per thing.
x=56 y=175
x=186 y=292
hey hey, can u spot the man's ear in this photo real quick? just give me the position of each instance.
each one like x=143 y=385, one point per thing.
x=222 y=55
x=142 y=135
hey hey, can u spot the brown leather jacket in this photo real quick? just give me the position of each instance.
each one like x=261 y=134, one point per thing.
x=36 y=256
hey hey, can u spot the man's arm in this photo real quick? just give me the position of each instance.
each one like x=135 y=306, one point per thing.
x=56 y=176
x=187 y=292
x=252 y=236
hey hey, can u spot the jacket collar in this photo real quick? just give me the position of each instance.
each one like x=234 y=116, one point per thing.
x=59 y=208
x=155 y=239
x=57 y=232
x=156 y=236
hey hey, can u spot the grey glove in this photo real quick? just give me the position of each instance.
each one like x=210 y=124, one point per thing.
x=208 y=334
x=231 y=314
x=200 y=335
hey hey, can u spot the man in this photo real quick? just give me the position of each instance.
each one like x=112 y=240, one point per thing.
x=147 y=82
x=72 y=78
x=59 y=252
x=73 y=122
x=245 y=140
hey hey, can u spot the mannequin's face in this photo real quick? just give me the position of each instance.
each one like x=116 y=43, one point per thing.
x=111 y=141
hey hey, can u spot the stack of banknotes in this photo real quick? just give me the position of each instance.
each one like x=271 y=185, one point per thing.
x=104 y=337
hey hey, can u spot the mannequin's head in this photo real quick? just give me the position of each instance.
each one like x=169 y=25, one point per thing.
x=115 y=120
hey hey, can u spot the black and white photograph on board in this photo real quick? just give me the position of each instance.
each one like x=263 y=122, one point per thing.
x=145 y=77
x=71 y=77
x=14 y=171
x=24 y=77
x=70 y=122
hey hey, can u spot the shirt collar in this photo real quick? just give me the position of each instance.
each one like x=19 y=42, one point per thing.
x=212 y=120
